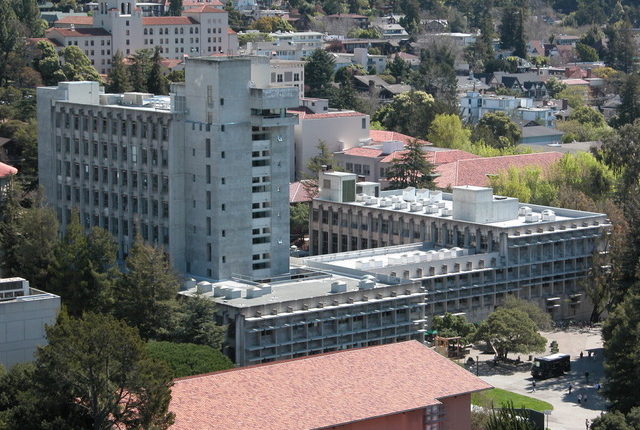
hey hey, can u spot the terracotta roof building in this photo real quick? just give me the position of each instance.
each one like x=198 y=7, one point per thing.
x=397 y=386
x=477 y=171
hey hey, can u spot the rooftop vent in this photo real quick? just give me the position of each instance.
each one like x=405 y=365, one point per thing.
x=548 y=215
x=204 y=287
x=254 y=292
x=531 y=217
x=338 y=287
x=232 y=293
x=524 y=210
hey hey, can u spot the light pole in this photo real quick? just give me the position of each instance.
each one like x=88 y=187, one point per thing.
x=477 y=365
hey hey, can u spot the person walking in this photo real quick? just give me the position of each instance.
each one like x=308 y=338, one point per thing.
x=584 y=399
x=579 y=398
x=533 y=385
x=586 y=423
x=586 y=376
x=570 y=387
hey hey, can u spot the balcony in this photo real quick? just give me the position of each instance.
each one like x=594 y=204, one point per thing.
x=269 y=118
x=274 y=98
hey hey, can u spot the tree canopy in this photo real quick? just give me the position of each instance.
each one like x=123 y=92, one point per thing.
x=318 y=73
x=498 y=130
x=410 y=113
x=510 y=330
x=411 y=168
x=187 y=359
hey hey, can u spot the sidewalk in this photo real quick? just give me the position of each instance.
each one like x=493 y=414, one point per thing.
x=567 y=413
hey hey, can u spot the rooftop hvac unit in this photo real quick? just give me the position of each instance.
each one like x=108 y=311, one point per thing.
x=338 y=287
x=372 y=201
x=409 y=194
x=532 y=217
x=435 y=196
x=400 y=205
x=232 y=293
x=366 y=284
x=204 y=287
x=431 y=209
x=360 y=197
x=548 y=215
x=395 y=199
x=384 y=202
x=447 y=212
x=524 y=210
x=415 y=207
x=254 y=292
x=189 y=284
x=441 y=204
x=218 y=290
x=422 y=194
x=266 y=288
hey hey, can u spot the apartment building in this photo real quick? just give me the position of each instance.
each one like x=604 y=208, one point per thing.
x=289 y=45
x=537 y=252
x=24 y=312
x=126 y=27
x=203 y=172
x=402 y=386
x=474 y=106
x=311 y=312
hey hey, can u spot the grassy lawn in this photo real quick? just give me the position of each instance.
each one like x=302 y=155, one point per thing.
x=500 y=397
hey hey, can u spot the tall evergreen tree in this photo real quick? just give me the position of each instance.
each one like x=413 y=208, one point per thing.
x=630 y=100
x=621 y=47
x=175 y=8
x=10 y=214
x=139 y=69
x=147 y=290
x=318 y=73
x=9 y=36
x=118 y=76
x=48 y=64
x=411 y=169
x=436 y=75
x=157 y=82
x=77 y=67
x=520 y=39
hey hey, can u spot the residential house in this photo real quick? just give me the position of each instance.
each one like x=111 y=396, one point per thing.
x=540 y=135
x=361 y=57
x=474 y=106
x=378 y=87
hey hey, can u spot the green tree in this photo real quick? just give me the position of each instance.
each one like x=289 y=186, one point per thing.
x=84 y=269
x=318 y=73
x=118 y=80
x=512 y=34
x=436 y=75
x=621 y=334
x=588 y=115
x=575 y=96
x=398 y=68
x=10 y=36
x=527 y=185
x=196 y=323
x=541 y=318
x=510 y=330
x=176 y=76
x=450 y=325
x=10 y=213
x=187 y=359
x=141 y=64
x=344 y=97
x=621 y=47
x=410 y=113
x=147 y=290
x=299 y=219
x=447 y=131
x=77 y=67
x=555 y=86
x=612 y=420
x=175 y=8
x=586 y=53
x=271 y=24
x=157 y=82
x=100 y=367
x=498 y=130
x=630 y=100
x=621 y=152
x=411 y=168
x=346 y=73
x=48 y=64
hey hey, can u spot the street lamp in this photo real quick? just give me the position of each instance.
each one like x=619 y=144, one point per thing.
x=477 y=365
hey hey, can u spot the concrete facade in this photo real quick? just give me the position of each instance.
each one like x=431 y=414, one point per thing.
x=474 y=106
x=288 y=73
x=24 y=312
x=203 y=172
x=475 y=247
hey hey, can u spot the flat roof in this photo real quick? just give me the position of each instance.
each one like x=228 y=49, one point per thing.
x=320 y=391
x=283 y=291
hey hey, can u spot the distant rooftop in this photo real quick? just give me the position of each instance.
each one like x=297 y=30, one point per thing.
x=320 y=391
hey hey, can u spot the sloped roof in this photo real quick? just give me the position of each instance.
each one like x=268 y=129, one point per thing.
x=388 y=136
x=205 y=9
x=475 y=171
x=298 y=193
x=320 y=391
x=80 y=31
x=76 y=20
x=364 y=152
x=6 y=170
x=302 y=114
x=434 y=157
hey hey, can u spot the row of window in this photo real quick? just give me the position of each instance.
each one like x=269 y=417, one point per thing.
x=147 y=156
x=114 y=201
x=125 y=128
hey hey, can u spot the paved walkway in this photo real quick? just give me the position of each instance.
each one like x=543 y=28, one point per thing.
x=567 y=413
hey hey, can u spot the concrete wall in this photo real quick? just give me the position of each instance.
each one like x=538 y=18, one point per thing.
x=22 y=326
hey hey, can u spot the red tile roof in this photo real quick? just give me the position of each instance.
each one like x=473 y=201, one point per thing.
x=386 y=136
x=76 y=20
x=435 y=157
x=575 y=82
x=230 y=31
x=364 y=152
x=80 y=32
x=475 y=171
x=6 y=170
x=168 y=20
x=190 y=3
x=304 y=115
x=205 y=9
x=320 y=391
x=298 y=193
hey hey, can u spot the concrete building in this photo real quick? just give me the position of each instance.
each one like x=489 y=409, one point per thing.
x=203 y=172
x=289 y=45
x=288 y=73
x=403 y=386
x=311 y=312
x=127 y=27
x=360 y=57
x=501 y=246
x=474 y=106
x=338 y=129
x=24 y=312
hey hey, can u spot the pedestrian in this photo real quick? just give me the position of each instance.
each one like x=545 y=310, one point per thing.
x=586 y=423
x=581 y=354
x=584 y=399
x=579 y=398
x=533 y=384
x=598 y=386
x=570 y=387
x=586 y=376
